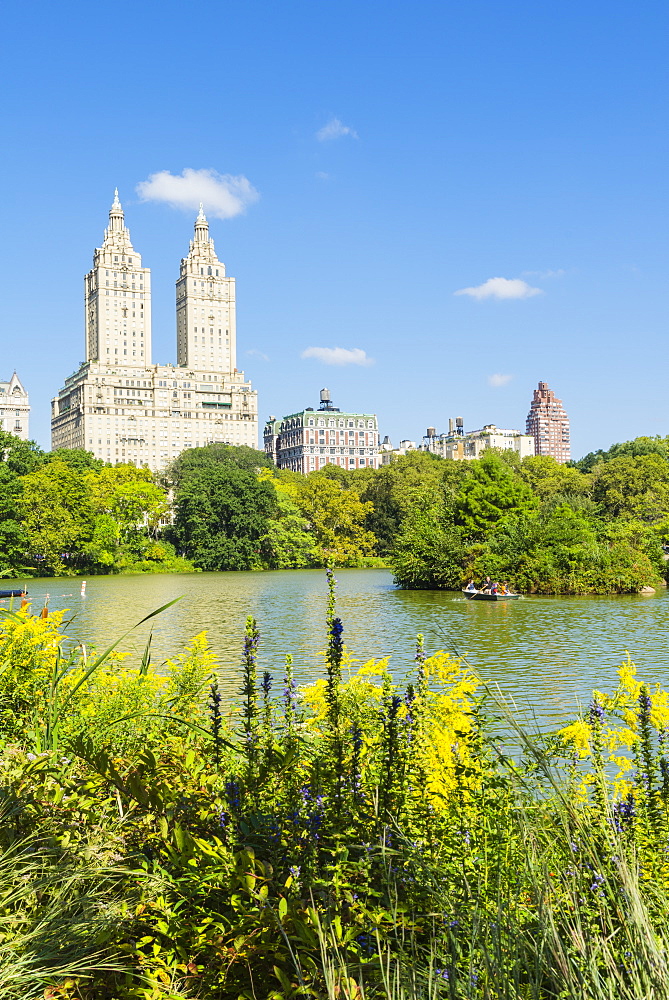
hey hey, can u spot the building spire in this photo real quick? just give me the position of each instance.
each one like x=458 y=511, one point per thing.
x=116 y=219
x=201 y=227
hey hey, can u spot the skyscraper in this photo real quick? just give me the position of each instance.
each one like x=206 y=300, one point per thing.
x=117 y=299
x=122 y=407
x=206 y=320
x=548 y=424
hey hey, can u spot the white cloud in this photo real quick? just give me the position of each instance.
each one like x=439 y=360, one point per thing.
x=338 y=356
x=501 y=288
x=322 y=176
x=542 y=275
x=498 y=380
x=222 y=195
x=335 y=129
x=253 y=353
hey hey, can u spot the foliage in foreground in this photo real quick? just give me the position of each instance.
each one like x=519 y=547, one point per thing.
x=356 y=838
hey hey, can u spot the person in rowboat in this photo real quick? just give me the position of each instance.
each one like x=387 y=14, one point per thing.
x=471 y=586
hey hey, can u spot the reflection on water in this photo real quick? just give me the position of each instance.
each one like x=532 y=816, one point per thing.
x=543 y=652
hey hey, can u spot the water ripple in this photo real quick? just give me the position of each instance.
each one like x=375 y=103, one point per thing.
x=543 y=652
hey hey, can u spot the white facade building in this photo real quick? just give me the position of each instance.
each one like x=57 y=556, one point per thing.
x=458 y=445
x=388 y=453
x=307 y=441
x=122 y=407
x=206 y=320
x=14 y=408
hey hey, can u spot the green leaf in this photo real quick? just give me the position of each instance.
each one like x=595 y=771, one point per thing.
x=283 y=978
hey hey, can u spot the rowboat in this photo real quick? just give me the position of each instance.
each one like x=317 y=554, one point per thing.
x=11 y=593
x=478 y=595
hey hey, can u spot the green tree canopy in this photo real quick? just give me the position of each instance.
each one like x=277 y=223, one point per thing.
x=238 y=456
x=77 y=458
x=491 y=493
x=57 y=514
x=394 y=490
x=221 y=513
x=336 y=516
x=20 y=457
x=558 y=550
x=289 y=542
x=634 y=487
x=429 y=551
x=549 y=478
x=638 y=446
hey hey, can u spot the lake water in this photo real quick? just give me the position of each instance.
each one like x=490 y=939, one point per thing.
x=545 y=653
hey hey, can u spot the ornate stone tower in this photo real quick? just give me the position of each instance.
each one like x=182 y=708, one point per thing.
x=206 y=320
x=118 y=299
x=122 y=407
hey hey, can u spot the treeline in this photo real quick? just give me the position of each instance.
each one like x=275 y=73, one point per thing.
x=592 y=527
x=595 y=526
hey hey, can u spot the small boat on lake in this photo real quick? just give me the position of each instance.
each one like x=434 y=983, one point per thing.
x=485 y=595
x=12 y=593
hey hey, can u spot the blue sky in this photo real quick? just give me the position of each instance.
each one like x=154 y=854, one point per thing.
x=400 y=154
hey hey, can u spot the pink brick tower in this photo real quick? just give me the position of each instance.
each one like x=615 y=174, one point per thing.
x=548 y=424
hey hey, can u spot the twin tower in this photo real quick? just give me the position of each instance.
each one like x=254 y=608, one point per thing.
x=122 y=407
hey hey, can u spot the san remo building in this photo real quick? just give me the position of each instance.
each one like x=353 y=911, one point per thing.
x=122 y=407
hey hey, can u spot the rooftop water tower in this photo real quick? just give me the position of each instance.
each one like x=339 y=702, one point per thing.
x=326 y=401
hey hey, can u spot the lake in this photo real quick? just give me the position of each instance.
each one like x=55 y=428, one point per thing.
x=546 y=653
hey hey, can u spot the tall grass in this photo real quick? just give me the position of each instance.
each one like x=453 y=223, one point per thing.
x=358 y=838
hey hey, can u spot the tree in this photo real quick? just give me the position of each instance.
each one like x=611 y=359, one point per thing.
x=638 y=446
x=129 y=507
x=491 y=493
x=395 y=490
x=635 y=487
x=549 y=478
x=20 y=457
x=429 y=551
x=289 y=542
x=221 y=513
x=57 y=515
x=237 y=456
x=337 y=520
x=558 y=550
x=13 y=537
x=76 y=458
